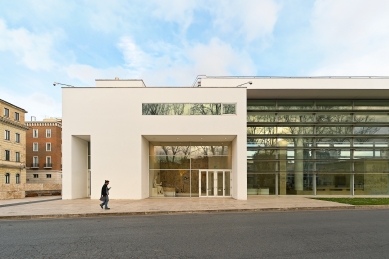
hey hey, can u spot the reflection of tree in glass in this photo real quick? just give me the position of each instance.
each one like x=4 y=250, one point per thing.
x=263 y=160
x=329 y=127
x=365 y=130
x=178 y=108
x=155 y=109
x=186 y=151
x=206 y=109
x=229 y=109
x=174 y=151
x=219 y=150
x=340 y=133
x=261 y=130
x=263 y=154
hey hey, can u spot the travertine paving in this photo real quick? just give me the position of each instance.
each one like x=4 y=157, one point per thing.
x=53 y=207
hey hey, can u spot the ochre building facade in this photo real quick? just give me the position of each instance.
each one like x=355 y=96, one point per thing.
x=12 y=151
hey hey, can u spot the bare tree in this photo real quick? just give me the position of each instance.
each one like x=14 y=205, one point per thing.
x=206 y=109
x=155 y=109
x=178 y=108
x=229 y=109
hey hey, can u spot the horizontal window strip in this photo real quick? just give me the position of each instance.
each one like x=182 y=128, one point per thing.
x=188 y=109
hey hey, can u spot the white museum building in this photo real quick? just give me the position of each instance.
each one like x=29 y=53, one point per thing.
x=227 y=137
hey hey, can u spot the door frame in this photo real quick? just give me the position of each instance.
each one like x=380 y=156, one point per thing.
x=215 y=182
x=89 y=183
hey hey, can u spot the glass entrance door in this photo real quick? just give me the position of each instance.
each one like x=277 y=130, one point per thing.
x=215 y=183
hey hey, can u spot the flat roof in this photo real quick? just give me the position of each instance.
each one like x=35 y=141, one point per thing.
x=297 y=77
x=340 y=87
x=284 y=87
x=318 y=94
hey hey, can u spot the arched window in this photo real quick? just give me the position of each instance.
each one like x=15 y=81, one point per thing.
x=17 y=178
x=7 y=178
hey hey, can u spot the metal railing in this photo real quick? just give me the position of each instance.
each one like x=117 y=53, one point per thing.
x=35 y=165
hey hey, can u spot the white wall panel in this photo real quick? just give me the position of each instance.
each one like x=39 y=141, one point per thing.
x=113 y=118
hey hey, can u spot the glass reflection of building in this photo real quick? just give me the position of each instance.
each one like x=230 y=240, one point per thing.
x=317 y=147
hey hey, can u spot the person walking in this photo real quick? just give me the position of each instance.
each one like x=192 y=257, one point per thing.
x=105 y=195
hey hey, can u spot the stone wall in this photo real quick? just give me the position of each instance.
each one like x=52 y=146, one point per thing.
x=19 y=191
x=42 y=178
x=11 y=191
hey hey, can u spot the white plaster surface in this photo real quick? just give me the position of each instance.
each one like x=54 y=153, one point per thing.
x=113 y=119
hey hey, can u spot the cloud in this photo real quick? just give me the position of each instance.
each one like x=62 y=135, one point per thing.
x=109 y=16
x=87 y=74
x=169 y=65
x=219 y=58
x=248 y=19
x=136 y=61
x=352 y=35
x=370 y=63
x=37 y=104
x=350 y=22
x=42 y=106
x=216 y=58
x=32 y=50
x=177 y=11
x=135 y=58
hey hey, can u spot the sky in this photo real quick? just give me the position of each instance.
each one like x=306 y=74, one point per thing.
x=170 y=42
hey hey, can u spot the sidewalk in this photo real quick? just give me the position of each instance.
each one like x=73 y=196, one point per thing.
x=55 y=207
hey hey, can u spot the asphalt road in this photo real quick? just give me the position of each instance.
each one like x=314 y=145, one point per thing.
x=293 y=234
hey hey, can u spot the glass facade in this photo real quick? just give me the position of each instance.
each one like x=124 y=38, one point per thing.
x=317 y=147
x=186 y=169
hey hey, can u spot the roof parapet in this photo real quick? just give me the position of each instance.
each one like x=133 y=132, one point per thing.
x=119 y=83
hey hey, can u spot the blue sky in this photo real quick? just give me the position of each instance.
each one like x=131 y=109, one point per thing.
x=169 y=43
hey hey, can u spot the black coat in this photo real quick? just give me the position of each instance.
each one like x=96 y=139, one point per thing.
x=104 y=190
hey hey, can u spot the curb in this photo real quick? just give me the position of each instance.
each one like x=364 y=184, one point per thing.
x=369 y=207
x=145 y=213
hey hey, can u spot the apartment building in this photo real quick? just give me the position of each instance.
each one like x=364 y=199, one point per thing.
x=12 y=150
x=43 y=151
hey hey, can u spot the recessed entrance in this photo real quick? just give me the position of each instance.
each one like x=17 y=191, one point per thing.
x=175 y=168
x=215 y=183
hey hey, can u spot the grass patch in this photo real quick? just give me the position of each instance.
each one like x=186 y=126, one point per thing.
x=358 y=201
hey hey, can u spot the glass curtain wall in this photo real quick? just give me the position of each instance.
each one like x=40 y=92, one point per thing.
x=174 y=167
x=318 y=147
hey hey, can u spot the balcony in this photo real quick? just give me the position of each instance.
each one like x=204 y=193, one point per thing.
x=48 y=165
x=34 y=165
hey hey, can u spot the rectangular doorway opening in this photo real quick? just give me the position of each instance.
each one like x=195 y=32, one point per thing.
x=215 y=183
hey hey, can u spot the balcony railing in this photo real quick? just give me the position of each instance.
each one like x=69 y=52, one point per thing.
x=48 y=165
x=34 y=165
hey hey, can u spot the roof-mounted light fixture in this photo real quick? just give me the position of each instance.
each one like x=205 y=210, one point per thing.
x=56 y=83
x=249 y=82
